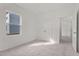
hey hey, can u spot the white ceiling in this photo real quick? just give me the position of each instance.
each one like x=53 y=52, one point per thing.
x=43 y=7
x=56 y=8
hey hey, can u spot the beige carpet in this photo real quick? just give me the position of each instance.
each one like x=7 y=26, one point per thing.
x=62 y=49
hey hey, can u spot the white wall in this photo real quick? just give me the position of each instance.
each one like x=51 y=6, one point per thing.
x=48 y=16
x=28 y=27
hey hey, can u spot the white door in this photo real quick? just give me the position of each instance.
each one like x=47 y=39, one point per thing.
x=74 y=32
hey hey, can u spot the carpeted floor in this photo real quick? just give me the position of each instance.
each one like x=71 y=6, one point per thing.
x=35 y=49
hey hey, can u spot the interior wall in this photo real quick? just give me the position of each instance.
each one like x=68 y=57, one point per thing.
x=48 y=16
x=28 y=31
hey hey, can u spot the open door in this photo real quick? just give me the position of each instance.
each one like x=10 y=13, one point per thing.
x=66 y=30
x=75 y=31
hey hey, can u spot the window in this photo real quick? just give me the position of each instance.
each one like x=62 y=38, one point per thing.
x=12 y=23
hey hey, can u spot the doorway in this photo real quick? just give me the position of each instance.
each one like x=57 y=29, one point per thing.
x=65 y=30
